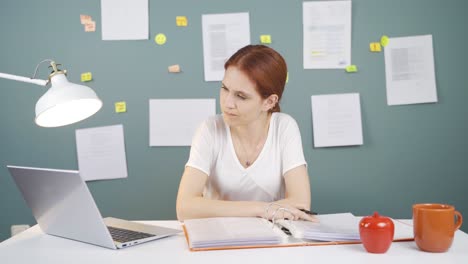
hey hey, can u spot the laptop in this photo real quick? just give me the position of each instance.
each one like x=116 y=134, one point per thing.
x=63 y=206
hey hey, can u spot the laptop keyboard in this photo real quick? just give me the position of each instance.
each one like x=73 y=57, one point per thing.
x=124 y=235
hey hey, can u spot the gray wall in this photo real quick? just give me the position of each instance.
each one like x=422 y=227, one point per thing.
x=411 y=154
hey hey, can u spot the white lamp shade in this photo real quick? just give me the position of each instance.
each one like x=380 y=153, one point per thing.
x=65 y=103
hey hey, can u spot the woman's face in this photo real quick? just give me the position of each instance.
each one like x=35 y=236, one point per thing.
x=240 y=102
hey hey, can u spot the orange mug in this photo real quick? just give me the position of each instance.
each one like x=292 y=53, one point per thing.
x=434 y=226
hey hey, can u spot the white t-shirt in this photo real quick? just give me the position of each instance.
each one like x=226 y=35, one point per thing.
x=213 y=153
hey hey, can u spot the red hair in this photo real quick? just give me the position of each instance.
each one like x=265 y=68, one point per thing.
x=265 y=67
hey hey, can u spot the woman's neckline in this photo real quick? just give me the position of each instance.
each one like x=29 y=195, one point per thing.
x=265 y=139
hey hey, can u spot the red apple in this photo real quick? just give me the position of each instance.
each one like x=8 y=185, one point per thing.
x=376 y=233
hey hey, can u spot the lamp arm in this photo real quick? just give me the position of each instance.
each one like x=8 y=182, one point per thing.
x=32 y=79
x=23 y=79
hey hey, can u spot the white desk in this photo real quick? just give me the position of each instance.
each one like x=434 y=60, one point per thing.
x=33 y=246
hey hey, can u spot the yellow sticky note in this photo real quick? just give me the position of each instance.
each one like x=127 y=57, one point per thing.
x=265 y=39
x=160 y=39
x=181 y=21
x=86 y=77
x=120 y=107
x=384 y=40
x=351 y=68
x=375 y=47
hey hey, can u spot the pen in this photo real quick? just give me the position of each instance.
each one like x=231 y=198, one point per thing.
x=286 y=231
x=308 y=212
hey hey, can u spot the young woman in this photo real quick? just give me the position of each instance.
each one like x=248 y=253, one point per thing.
x=248 y=161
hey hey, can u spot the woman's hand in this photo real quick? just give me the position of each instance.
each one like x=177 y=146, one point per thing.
x=276 y=211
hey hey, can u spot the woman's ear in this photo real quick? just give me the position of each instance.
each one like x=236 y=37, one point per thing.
x=270 y=102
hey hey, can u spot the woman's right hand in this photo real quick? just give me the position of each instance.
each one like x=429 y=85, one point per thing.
x=276 y=211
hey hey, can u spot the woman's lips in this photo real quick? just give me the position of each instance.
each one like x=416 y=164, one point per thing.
x=229 y=114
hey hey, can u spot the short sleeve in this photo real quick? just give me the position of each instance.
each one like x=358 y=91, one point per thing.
x=201 y=151
x=292 y=152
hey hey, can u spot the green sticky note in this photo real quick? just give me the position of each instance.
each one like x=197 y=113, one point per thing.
x=384 y=40
x=120 y=107
x=351 y=68
x=265 y=39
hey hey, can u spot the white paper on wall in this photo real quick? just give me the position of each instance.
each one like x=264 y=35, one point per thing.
x=101 y=153
x=173 y=121
x=409 y=70
x=336 y=120
x=124 y=20
x=326 y=34
x=223 y=35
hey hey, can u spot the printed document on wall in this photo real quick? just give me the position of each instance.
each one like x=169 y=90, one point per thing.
x=336 y=120
x=326 y=34
x=124 y=20
x=101 y=153
x=223 y=35
x=173 y=121
x=409 y=70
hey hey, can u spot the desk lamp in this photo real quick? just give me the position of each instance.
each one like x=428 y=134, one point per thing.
x=65 y=102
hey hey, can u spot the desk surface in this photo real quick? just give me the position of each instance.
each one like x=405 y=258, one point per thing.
x=33 y=246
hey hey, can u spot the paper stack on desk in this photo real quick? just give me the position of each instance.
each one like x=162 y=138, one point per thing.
x=230 y=231
x=332 y=227
x=251 y=232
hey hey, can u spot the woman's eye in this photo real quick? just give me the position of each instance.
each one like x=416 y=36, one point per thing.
x=241 y=97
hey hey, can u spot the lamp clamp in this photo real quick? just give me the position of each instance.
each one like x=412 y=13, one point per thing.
x=56 y=70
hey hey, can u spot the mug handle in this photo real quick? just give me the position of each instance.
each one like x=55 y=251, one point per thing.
x=459 y=220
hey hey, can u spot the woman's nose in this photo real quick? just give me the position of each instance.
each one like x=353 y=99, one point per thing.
x=229 y=101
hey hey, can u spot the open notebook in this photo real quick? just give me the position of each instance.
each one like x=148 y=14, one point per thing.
x=250 y=232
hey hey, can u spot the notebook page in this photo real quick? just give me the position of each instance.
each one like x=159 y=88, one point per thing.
x=402 y=231
x=228 y=231
x=340 y=227
x=332 y=227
